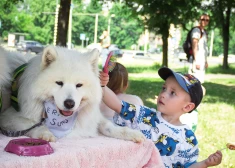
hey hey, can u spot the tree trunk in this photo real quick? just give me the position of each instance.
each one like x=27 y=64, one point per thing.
x=165 y=35
x=165 y=50
x=225 y=31
x=63 y=22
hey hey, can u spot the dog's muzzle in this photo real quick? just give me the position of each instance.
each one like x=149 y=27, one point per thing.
x=69 y=104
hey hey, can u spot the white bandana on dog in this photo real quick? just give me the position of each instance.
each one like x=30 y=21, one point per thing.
x=58 y=124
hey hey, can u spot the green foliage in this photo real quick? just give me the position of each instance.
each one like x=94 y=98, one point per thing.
x=7 y=17
x=124 y=28
x=218 y=42
x=28 y=17
x=231 y=49
x=223 y=11
x=85 y=24
x=43 y=24
x=6 y=4
x=159 y=14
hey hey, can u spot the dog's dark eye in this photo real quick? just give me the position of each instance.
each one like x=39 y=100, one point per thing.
x=59 y=83
x=79 y=85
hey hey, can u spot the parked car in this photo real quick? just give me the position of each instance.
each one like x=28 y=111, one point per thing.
x=134 y=54
x=180 y=54
x=93 y=46
x=139 y=54
x=154 y=50
x=30 y=46
x=116 y=51
x=231 y=58
x=113 y=47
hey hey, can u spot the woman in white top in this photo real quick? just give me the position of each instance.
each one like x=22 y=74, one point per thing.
x=118 y=83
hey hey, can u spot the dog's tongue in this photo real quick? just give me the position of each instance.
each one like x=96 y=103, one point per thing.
x=66 y=113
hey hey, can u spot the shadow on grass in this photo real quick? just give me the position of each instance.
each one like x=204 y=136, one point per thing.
x=218 y=93
x=148 y=88
x=219 y=70
x=145 y=89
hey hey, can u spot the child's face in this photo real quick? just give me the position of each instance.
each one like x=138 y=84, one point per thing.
x=173 y=98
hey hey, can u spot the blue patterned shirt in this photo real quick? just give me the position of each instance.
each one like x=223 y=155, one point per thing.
x=177 y=145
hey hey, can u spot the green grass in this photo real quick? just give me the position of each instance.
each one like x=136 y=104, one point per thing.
x=216 y=124
x=218 y=70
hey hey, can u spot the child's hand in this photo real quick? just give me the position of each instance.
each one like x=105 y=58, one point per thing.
x=104 y=78
x=214 y=159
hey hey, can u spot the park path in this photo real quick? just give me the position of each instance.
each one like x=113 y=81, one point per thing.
x=208 y=76
x=219 y=76
x=150 y=61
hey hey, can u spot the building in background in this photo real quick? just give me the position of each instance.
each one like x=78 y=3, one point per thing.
x=14 y=38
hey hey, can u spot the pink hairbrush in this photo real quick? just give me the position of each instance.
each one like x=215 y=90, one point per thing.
x=110 y=63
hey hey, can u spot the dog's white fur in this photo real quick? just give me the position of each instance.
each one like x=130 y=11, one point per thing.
x=9 y=61
x=39 y=83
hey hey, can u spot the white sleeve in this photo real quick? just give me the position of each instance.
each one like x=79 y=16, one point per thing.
x=196 y=33
x=133 y=99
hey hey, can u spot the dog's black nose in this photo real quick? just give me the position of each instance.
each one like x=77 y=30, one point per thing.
x=69 y=103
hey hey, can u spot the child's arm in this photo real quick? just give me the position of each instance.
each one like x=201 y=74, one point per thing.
x=213 y=160
x=109 y=97
x=111 y=100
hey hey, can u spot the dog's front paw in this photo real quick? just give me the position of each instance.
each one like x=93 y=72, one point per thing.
x=134 y=135
x=42 y=133
x=47 y=136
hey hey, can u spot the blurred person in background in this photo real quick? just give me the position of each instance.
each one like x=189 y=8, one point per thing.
x=118 y=83
x=199 y=49
x=105 y=43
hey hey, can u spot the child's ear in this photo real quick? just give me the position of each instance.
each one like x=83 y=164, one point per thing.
x=189 y=107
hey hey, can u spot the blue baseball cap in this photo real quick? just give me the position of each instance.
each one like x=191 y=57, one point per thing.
x=187 y=81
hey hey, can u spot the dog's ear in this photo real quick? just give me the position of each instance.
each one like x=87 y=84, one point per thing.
x=48 y=56
x=94 y=60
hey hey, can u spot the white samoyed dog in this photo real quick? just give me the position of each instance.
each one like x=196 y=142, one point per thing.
x=9 y=61
x=63 y=87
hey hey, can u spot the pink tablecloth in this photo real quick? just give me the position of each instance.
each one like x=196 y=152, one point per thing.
x=100 y=152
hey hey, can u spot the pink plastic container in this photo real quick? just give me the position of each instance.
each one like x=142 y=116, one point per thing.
x=29 y=147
